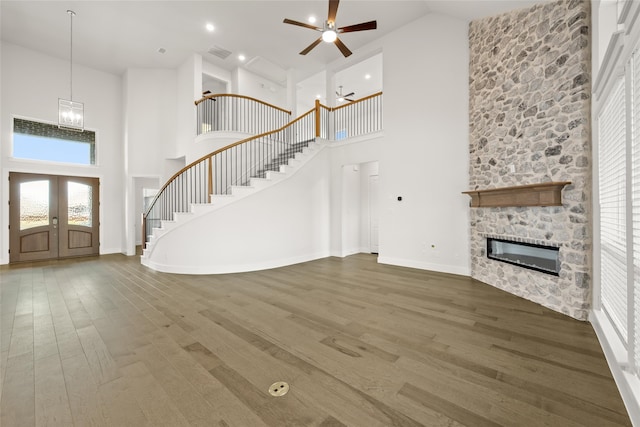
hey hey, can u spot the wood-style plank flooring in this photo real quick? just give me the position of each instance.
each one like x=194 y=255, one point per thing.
x=104 y=341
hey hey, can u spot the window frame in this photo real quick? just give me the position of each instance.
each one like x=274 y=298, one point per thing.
x=95 y=150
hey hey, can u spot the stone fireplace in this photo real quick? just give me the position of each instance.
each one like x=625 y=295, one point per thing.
x=529 y=118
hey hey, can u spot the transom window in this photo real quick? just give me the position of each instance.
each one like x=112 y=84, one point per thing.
x=47 y=142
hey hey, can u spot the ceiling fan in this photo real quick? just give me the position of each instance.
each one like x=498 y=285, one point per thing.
x=342 y=97
x=329 y=30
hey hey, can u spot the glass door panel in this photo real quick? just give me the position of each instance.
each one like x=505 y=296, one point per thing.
x=34 y=204
x=52 y=217
x=79 y=208
x=33 y=210
x=79 y=224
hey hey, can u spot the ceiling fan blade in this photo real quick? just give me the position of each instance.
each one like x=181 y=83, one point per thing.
x=345 y=50
x=311 y=46
x=349 y=94
x=371 y=25
x=333 y=10
x=301 y=24
x=350 y=100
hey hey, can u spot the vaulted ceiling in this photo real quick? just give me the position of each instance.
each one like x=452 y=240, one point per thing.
x=116 y=35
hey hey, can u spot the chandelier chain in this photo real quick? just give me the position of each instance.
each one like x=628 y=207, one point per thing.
x=71 y=14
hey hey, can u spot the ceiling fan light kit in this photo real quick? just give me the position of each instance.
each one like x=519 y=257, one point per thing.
x=329 y=31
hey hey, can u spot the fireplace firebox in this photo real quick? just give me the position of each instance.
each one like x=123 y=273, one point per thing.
x=527 y=255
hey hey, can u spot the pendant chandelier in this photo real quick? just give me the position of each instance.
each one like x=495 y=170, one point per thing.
x=70 y=113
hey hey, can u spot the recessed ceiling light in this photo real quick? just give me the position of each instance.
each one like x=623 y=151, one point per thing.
x=162 y=50
x=210 y=27
x=367 y=76
x=312 y=19
x=318 y=96
x=242 y=57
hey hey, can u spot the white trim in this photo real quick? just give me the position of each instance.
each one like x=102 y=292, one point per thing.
x=609 y=66
x=629 y=15
x=616 y=355
x=235 y=268
x=440 y=268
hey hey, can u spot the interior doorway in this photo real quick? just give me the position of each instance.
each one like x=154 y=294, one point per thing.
x=360 y=208
x=53 y=216
x=374 y=220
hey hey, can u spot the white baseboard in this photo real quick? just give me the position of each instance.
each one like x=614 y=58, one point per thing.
x=441 y=268
x=616 y=354
x=227 y=269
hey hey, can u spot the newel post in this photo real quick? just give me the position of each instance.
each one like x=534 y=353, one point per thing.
x=317 y=118
x=144 y=231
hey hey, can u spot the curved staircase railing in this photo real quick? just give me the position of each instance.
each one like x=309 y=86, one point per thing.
x=234 y=165
x=238 y=113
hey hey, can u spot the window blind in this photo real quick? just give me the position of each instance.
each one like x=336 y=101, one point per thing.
x=635 y=179
x=612 y=172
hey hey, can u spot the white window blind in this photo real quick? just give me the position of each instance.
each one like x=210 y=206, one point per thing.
x=612 y=172
x=635 y=177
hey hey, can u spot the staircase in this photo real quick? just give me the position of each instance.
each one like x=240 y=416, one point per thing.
x=203 y=221
x=278 y=169
x=282 y=159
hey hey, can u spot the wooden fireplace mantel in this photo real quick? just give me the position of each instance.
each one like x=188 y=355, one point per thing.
x=543 y=194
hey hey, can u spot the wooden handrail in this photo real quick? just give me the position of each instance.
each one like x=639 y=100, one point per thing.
x=210 y=155
x=352 y=103
x=232 y=95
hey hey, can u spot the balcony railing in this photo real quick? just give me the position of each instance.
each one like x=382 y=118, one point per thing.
x=357 y=118
x=238 y=113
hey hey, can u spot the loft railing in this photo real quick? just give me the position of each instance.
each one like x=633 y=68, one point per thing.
x=235 y=164
x=238 y=113
x=357 y=118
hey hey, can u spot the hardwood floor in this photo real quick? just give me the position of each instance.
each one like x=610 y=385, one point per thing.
x=107 y=342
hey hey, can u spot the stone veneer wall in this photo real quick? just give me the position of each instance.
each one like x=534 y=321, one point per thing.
x=529 y=109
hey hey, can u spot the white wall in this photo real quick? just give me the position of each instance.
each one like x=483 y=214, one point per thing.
x=189 y=91
x=423 y=152
x=217 y=73
x=249 y=84
x=150 y=103
x=283 y=224
x=31 y=85
x=425 y=149
x=149 y=114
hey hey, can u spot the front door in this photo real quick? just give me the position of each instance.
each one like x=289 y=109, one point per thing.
x=52 y=216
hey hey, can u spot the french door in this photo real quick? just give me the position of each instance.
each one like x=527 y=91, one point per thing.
x=52 y=216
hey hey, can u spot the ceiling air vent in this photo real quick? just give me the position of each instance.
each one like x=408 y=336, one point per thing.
x=219 y=52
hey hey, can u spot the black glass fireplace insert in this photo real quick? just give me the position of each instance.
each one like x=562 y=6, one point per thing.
x=527 y=255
